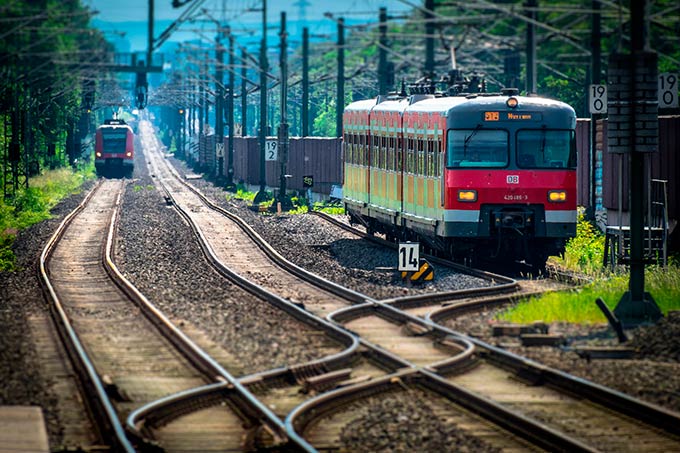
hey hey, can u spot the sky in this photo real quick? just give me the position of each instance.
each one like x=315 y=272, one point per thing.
x=130 y=16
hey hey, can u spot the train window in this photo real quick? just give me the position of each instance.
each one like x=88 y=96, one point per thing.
x=477 y=147
x=546 y=148
x=114 y=139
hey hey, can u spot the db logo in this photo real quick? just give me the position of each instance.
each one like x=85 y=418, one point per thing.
x=512 y=179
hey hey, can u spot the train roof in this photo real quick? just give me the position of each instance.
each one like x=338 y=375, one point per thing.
x=106 y=126
x=459 y=104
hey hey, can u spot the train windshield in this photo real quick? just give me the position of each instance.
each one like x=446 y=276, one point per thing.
x=477 y=147
x=545 y=148
x=114 y=139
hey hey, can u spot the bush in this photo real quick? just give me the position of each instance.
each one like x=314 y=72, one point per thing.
x=32 y=205
x=584 y=253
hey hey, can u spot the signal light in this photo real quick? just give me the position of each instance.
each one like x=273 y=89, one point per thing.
x=557 y=196
x=469 y=196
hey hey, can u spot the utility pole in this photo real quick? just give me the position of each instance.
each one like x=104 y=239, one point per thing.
x=230 y=115
x=283 y=127
x=429 y=38
x=595 y=78
x=382 y=52
x=244 y=94
x=305 y=82
x=340 y=99
x=264 y=67
x=219 y=107
x=531 y=46
x=150 y=26
x=632 y=104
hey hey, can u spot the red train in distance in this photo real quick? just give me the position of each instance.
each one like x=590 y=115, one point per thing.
x=114 y=151
x=468 y=176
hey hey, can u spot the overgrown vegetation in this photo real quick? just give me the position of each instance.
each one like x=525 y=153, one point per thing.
x=584 y=254
x=33 y=205
x=579 y=306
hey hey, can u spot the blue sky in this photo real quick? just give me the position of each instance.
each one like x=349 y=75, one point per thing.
x=130 y=16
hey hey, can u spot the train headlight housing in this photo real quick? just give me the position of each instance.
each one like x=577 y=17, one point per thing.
x=98 y=154
x=469 y=196
x=557 y=196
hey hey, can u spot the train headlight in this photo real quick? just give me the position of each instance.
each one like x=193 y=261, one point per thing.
x=512 y=102
x=99 y=154
x=557 y=196
x=128 y=154
x=467 y=195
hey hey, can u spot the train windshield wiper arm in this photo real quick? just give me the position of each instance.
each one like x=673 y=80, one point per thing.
x=469 y=137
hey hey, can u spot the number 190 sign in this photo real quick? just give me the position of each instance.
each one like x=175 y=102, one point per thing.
x=598 y=99
x=409 y=256
x=668 y=90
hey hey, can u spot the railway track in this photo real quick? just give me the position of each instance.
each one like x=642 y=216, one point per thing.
x=127 y=355
x=438 y=360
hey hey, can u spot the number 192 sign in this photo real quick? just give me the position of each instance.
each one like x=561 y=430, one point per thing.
x=271 y=150
x=409 y=256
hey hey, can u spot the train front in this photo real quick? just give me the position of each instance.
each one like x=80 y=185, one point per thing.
x=114 y=148
x=510 y=181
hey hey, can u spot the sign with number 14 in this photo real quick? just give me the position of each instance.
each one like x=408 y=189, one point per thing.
x=409 y=256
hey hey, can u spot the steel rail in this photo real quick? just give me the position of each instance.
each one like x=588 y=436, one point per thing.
x=97 y=401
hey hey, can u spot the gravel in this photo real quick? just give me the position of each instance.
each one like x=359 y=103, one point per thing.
x=405 y=422
x=24 y=381
x=314 y=244
x=158 y=252
x=653 y=375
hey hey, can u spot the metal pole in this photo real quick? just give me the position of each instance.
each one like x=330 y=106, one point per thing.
x=219 y=106
x=262 y=195
x=340 y=98
x=150 y=37
x=382 y=52
x=596 y=78
x=305 y=82
x=244 y=95
x=230 y=115
x=283 y=127
x=637 y=164
x=531 y=47
x=429 y=38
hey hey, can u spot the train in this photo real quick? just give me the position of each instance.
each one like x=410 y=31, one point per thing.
x=114 y=150
x=469 y=176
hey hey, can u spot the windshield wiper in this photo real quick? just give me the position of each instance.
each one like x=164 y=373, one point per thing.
x=543 y=143
x=469 y=137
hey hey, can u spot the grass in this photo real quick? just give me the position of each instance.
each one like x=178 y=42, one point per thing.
x=33 y=205
x=578 y=306
x=584 y=254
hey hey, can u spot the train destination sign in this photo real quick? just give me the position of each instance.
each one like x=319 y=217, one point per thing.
x=512 y=116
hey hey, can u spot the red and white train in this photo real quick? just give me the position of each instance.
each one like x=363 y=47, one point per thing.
x=114 y=150
x=477 y=175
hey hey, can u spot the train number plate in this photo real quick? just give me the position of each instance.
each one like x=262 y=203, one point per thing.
x=512 y=179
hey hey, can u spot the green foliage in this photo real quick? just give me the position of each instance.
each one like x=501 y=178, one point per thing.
x=33 y=205
x=579 y=306
x=585 y=252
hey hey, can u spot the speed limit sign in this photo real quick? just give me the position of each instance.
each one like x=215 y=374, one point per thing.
x=597 y=95
x=668 y=90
